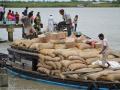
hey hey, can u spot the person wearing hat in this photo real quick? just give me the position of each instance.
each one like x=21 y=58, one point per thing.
x=68 y=21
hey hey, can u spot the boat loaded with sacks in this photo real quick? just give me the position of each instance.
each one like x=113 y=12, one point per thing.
x=62 y=60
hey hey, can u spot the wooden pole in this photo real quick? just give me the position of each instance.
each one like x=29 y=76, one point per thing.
x=10 y=33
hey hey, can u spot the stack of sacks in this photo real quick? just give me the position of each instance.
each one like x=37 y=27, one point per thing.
x=39 y=46
x=25 y=43
x=60 y=60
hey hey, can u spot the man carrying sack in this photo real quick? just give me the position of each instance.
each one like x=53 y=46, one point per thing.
x=104 y=51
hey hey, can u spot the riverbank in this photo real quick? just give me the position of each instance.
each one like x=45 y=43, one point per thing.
x=60 y=4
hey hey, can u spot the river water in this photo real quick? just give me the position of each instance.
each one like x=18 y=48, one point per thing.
x=92 y=21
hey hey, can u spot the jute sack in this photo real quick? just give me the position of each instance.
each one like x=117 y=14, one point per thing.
x=60 y=46
x=43 y=38
x=46 y=46
x=44 y=70
x=55 y=72
x=17 y=42
x=48 y=52
x=65 y=63
x=75 y=66
x=77 y=61
x=66 y=52
x=39 y=46
x=88 y=70
x=48 y=58
x=44 y=65
x=94 y=66
x=57 y=41
x=87 y=55
x=51 y=63
x=35 y=46
x=111 y=77
x=62 y=35
x=75 y=58
x=83 y=46
x=58 y=65
x=96 y=76
x=73 y=76
x=27 y=43
x=41 y=58
x=90 y=60
x=70 y=42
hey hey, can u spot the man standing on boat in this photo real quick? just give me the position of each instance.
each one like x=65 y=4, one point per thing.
x=68 y=21
x=104 y=51
x=25 y=12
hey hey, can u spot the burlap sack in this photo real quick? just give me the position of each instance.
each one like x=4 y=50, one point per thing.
x=39 y=46
x=55 y=72
x=90 y=60
x=75 y=66
x=65 y=63
x=43 y=38
x=111 y=77
x=87 y=55
x=94 y=66
x=60 y=46
x=83 y=46
x=88 y=70
x=17 y=42
x=44 y=66
x=57 y=41
x=66 y=52
x=73 y=76
x=76 y=61
x=48 y=52
x=44 y=70
x=46 y=46
x=75 y=58
x=70 y=44
x=62 y=35
x=59 y=65
x=96 y=76
x=41 y=58
x=50 y=63
x=55 y=59
x=35 y=46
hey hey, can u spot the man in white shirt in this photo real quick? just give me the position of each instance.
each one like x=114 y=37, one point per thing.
x=51 y=24
x=104 y=50
x=68 y=21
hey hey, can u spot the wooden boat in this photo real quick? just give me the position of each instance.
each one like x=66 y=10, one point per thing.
x=23 y=64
